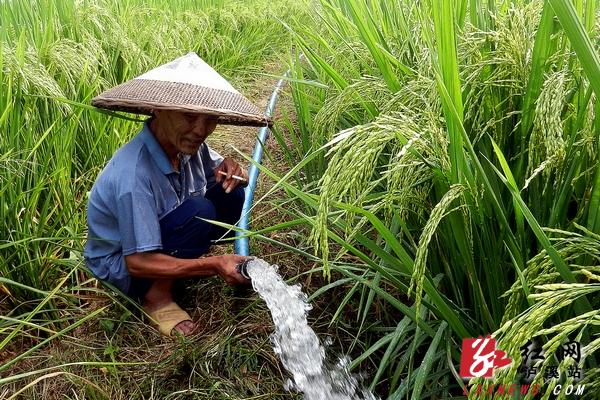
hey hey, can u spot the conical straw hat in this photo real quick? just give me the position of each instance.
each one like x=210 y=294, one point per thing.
x=186 y=84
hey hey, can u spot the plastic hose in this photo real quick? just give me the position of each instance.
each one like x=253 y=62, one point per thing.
x=242 y=244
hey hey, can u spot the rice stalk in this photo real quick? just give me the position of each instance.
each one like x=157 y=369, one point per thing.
x=527 y=98
x=547 y=145
x=348 y=104
x=438 y=213
x=549 y=299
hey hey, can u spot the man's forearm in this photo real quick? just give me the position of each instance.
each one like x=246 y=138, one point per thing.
x=162 y=266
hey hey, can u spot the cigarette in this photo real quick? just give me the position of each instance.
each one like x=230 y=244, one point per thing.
x=237 y=178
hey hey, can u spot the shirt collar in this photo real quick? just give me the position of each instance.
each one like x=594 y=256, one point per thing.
x=156 y=151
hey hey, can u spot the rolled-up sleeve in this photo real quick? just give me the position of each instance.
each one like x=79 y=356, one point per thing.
x=138 y=220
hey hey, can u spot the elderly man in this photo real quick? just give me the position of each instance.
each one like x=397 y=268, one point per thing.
x=147 y=209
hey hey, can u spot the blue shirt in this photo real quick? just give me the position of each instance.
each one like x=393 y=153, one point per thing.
x=137 y=188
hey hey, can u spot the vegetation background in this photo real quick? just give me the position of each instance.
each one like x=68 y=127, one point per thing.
x=437 y=162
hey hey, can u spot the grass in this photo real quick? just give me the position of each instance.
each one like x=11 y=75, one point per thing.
x=229 y=357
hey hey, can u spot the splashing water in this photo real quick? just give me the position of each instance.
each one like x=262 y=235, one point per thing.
x=297 y=344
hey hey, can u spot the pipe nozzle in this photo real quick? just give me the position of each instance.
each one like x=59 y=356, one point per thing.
x=242 y=268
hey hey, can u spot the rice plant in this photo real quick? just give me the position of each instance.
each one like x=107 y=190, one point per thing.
x=449 y=178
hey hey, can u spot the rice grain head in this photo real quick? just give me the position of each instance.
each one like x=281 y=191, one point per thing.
x=438 y=213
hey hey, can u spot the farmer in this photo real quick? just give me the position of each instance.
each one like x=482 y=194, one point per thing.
x=146 y=208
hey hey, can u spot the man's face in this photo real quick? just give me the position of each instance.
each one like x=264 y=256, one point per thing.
x=186 y=131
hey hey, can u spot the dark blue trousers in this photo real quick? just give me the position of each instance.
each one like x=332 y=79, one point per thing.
x=185 y=235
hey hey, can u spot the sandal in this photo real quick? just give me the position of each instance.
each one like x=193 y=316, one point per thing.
x=166 y=318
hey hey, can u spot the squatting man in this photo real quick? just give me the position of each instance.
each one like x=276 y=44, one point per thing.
x=147 y=209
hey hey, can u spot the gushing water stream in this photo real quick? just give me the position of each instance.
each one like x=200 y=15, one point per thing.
x=297 y=344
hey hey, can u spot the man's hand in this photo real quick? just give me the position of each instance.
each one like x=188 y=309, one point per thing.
x=225 y=172
x=226 y=269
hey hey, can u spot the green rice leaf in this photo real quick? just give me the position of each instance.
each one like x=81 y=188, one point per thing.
x=580 y=41
x=428 y=360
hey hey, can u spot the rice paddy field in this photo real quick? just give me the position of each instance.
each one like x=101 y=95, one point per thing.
x=433 y=175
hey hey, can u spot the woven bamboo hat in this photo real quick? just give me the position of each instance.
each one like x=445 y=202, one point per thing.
x=186 y=84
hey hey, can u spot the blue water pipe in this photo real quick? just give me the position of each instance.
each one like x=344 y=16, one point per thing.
x=242 y=246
